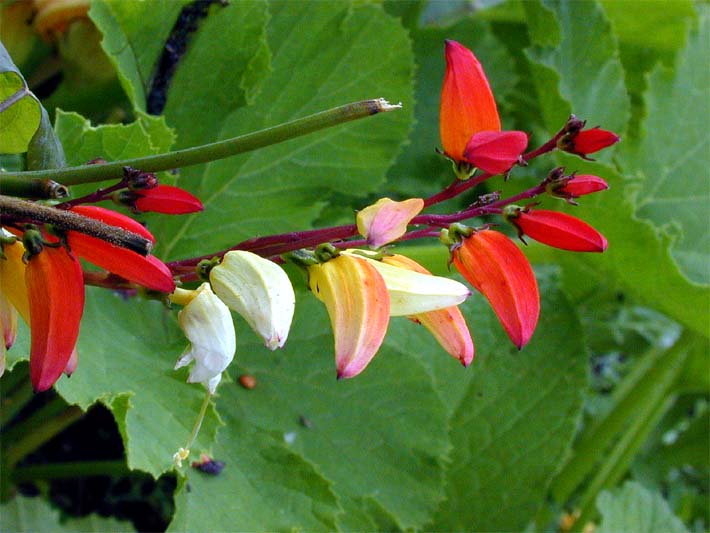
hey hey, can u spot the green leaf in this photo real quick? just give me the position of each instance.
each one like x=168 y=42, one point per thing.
x=634 y=508
x=20 y=111
x=284 y=187
x=376 y=437
x=264 y=486
x=419 y=167
x=670 y=158
x=134 y=34
x=35 y=514
x=45 y=149
x=127 y=350
x=514 y=421
x=586 y=62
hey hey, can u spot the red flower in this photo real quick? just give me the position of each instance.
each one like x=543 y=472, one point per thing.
x=467 y=105
x=556 y=229
x=166 y=199
x=55 y=289
x=497 y=268
x=147 y=271
x=495 y=152
x=588 y=141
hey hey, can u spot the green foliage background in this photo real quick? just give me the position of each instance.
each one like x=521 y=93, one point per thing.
x=415 y=442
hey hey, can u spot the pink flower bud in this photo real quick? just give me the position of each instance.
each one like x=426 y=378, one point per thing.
x=579 y=185
x=495 y=152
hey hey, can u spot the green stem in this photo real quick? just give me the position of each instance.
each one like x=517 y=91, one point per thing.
x=212 y=151
x=70 y=470
x=198 y=422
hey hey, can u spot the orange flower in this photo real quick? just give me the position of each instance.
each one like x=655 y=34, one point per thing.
x=497 y=268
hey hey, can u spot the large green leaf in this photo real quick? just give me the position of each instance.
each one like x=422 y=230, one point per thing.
x=634 y=508
x=585 y=61
x=671 y=157
x=20 y=111
x=284 y=187
x=376 y=437
x=134 y=34
x=514 y=421
x=35 y=514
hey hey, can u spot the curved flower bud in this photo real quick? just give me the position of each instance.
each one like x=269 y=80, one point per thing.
x=447 y=325
x=588 y=141
x=147 y=271
x=467 y=104
x=55 y=289
x=495 y=152
x=357 y=301
x=556 y=229
x=497 y=268
x=578 y=185
x=387 y=220
x=164 y=199
x=208 y=325
x=260 y=291
x=412 y=292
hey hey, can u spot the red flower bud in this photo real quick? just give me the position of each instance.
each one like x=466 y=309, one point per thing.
x=495 y=152
x=588 y=141
x=558 y=230
x=579 y=185
x=467 y=105
x=497 y=268
x=168 y=200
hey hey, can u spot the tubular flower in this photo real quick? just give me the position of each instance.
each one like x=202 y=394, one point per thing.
x=147 y=271
x=447 y=325
x=164 y=199
x=208 y=325
x=587 y=141
x=497 y=268
x=260 y=291
x=386 y=220
x=356 y=298
x=468 y=110
x=412 y=292
x=55 y=290
x=555 y=229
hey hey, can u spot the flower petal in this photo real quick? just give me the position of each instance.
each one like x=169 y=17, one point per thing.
x=497 y=268
x=260 y=291
x=357 y=301
x=447 y=325
x=55 y=288
x=495 y=152
x=207 y=323
x=386 y=220
x=467 y=104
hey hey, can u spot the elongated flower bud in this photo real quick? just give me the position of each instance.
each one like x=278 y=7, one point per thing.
x=164 y=199
x=147 y=271
x=260 y=291
x=55 y=287
x=412 y=293
x=357 y=301
x=447 y=325
x=467 y=104
x=578 y=185
x=497 y=268
x=386 y=220
x=495 y=152
x=207 y=323
x=556 y=229
x=588 y=141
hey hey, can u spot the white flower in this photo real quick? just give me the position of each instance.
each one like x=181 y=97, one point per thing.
x=208 y=325
x=260 y=291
